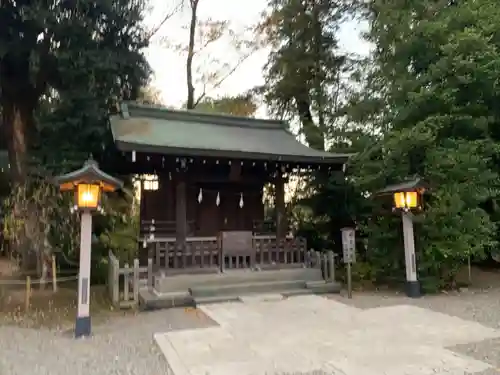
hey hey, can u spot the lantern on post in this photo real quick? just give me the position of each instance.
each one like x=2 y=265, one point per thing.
x=87 y=184
x=407 y=197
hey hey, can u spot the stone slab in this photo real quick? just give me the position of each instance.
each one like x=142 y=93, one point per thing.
x=311 y=334
x=263 y=297
x=233 y=277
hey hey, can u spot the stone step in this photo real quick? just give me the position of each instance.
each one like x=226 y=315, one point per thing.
x=231 y=277
x=245 y=298
x=247 y=288
x=232 y=293
x=215 y=299
x=322 y=287
x=297 y=292
x=152 y=301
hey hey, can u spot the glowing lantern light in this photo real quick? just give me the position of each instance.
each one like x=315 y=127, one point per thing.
x=88 y=196
x=406 y=200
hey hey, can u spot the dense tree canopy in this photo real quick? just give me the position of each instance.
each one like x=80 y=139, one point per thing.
x=305 y=65
x=422 y=104
x=438 y=65
x=64 y=65
x=75 y=58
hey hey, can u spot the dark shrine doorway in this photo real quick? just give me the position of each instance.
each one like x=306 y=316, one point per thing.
x=224 y=207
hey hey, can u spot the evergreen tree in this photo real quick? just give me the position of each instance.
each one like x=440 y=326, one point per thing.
x=76 y=55
x=438 y=63
x=304 y=71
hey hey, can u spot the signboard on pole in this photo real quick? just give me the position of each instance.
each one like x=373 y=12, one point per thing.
x=349 y=245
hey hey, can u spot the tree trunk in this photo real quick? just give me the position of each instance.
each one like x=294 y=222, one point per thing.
x=318 y=80
x=189 y=61
x=16 y=119
x=313 y=134
x=46 y=258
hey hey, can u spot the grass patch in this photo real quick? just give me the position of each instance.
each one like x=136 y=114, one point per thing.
x=53 y=310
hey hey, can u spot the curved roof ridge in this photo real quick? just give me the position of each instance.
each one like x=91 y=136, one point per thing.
x=134 y=109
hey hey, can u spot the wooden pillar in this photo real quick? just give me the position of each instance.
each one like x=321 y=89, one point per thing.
x=144 y=250
x=279 y=199
x=180 y=210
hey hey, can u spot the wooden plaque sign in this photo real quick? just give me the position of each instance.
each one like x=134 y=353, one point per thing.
x=349 y=245
x=237 y=242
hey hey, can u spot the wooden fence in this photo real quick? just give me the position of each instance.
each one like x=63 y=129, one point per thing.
x=205 y=254
x=323 y=260
x=124 y=282
x=196 y=253
x=270 y=252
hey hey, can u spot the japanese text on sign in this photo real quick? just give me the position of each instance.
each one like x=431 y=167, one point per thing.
x=349 y=245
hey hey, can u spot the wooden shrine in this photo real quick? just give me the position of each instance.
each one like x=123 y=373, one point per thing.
x=203 y=178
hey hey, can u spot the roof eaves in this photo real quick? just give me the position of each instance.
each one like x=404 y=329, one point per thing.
x=89 y=170
x=414 y=184
x=319 y=159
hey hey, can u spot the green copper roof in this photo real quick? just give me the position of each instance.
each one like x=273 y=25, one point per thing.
x=160 y=130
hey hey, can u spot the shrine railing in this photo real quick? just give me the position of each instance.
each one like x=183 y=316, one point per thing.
x=205 y=255
x=197 y=254
x=270 y=252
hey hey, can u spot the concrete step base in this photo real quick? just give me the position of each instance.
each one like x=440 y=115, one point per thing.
x=247 y=288
x=322 y=287
x=152 y=301
x=251 y=297
x=215 y=299
x=192 y=290
x=230 y=277
x=297 y=292
x=149 y=301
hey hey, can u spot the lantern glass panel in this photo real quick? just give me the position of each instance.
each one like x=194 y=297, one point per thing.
x=88 y=195
x=411 y=199
x=399 y=200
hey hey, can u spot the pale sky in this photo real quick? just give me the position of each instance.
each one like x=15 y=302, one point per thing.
x=169 y=65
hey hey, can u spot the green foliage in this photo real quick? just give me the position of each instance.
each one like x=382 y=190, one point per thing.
x=38 y=221
x=362 y=272
x=425 y=103
x=63 y=67
x=305 y=65
x=240 y=105
x=440 y=110
x=75 y=59
x=122 y=227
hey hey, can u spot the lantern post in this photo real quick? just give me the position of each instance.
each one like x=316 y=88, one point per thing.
x=407 y=197
x=87 y=184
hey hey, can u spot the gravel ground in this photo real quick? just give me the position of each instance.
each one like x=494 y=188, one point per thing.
x=480 y=305
x=125 y=345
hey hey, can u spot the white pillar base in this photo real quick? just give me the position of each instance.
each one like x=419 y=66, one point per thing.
x=412 y=284
x=82 y=325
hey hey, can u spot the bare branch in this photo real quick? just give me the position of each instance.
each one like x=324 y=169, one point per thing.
x=168 y=16
x=221 y=80
x=202 y=96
